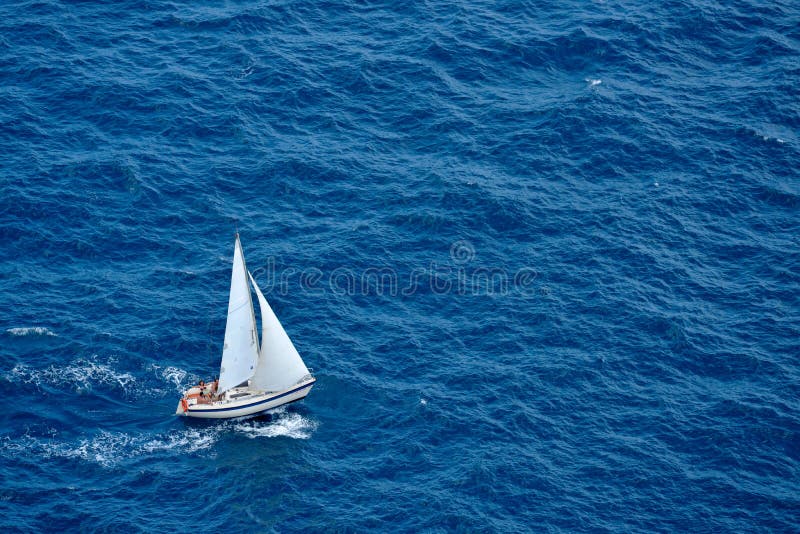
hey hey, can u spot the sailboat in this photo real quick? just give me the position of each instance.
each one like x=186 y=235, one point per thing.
x=252 y=377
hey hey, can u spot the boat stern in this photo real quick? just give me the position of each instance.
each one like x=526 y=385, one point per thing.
x=189 y=398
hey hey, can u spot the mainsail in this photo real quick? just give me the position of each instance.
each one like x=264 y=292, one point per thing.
x=280 y=366
x=240 y=352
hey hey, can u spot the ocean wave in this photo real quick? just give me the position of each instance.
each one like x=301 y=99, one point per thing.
x=642 y=165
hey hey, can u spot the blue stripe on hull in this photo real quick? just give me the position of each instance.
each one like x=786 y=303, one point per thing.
x=255 y=403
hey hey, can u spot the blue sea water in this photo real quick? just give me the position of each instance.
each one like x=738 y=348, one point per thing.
x=542 y=257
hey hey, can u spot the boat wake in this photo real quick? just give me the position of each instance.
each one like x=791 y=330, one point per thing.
x=82 y=375
x=111 y=449
x=107 y=449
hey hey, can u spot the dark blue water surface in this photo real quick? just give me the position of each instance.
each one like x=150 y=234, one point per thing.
x=544 y=259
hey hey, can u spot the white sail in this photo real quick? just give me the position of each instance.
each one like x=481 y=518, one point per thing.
x=240 y=352
x=279 y=366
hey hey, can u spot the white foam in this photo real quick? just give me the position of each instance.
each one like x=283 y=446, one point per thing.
x=593 y=81
x=22 y=373
x=31 y=331
x=291 y=425
x=110 y=448
x=105 y=449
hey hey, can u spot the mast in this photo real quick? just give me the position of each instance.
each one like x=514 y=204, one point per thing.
x=249 y=293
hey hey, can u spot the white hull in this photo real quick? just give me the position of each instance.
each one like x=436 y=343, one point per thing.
x=241 y=401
